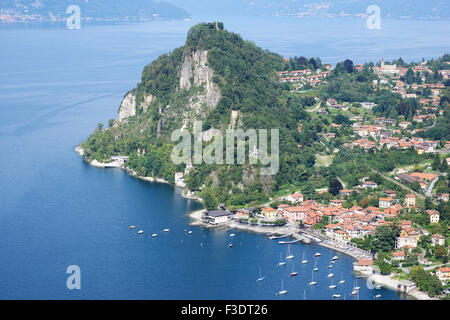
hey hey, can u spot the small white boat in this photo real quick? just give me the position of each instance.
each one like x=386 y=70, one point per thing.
x=342 y=281
x=289 y=255
x=357 y=288
x=189 y=232
x=132 y=227
x=378 y=296
x=335 y=258
x=303 y=258
x=330 y=266
x=261 y=278
x=312 y=280
x=154 y=235
x=230 y=245
x=333 y=286
x=332 y=262
x=354 y=292
x=317 y=254
x=232 y=235
x=336 y=295
x=282 y=291
x=330 y=275
x=281 y=263
x=166 y=230
x=140 y=232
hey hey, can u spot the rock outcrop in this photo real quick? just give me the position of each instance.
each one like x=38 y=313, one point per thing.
x=127 y=107
x=195 y=72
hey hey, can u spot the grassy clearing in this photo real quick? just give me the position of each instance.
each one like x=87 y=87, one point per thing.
x=324 y=161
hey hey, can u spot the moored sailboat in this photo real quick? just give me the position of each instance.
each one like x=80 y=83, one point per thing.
x=281 y=263
x=289 y=255
x=261 y=278
x=282 y=291
x=303 y=258
x=293 y=273
x=312 y=280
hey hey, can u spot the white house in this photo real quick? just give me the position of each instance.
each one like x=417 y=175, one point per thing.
x=179 y=179
x=385 y=202
x=406 y=241
x=216 y=216
x=437 y=240
x=434 y=216
x=443 y=274
x=398 y=255
x=369 y=185
x=295 y=197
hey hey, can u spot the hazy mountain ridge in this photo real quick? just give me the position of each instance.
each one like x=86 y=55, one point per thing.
x=433 y=9
x=47 y=10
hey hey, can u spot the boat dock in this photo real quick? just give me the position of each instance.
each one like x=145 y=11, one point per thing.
x=274 y=237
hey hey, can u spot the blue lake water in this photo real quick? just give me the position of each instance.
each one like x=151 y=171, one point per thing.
x=55 y=210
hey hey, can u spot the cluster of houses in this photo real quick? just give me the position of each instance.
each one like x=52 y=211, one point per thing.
x=379 y=132
x=307 y=75
x=344 y=223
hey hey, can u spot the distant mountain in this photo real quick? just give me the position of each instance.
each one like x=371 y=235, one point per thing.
x=412 y=9
x=47 y=10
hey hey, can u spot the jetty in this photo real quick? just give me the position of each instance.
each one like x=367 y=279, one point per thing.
x=278 y=236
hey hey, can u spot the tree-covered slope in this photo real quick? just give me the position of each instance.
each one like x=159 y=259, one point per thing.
x=225 y=81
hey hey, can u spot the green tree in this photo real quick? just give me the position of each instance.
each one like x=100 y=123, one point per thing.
x=334 y=186
x=209 y=200
x=436 y=162
x=385 y=238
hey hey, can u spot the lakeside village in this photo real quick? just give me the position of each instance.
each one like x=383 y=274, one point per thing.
x=388 y=220
x=415 y=256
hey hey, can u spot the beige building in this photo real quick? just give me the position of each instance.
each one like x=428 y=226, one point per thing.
x=269 y=213
x=434 y=216
x=410 y=201
x=406 y=241
x=443 y=274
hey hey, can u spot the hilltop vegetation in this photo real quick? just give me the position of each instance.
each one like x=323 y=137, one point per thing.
x=226 y=81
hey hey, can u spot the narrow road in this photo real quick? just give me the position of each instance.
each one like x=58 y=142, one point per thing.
x=342 y=182
x=430 y=189
x=315 y=108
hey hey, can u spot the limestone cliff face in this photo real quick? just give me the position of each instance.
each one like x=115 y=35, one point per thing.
x=195 y=72
x=195 y=96
x=127 y=107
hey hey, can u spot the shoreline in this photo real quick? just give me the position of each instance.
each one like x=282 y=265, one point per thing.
x=196 y=216
x=392 y=284
x=386 y=280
